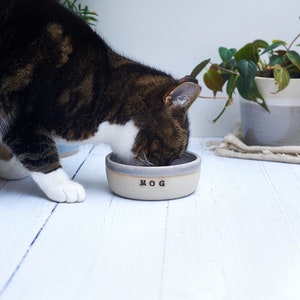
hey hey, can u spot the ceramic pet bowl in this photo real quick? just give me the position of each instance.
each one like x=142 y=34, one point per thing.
x=154 y=183
x=66 y=150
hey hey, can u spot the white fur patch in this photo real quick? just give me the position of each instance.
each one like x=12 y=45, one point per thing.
x=58 y=187
x=120 y=137
x=12 y=169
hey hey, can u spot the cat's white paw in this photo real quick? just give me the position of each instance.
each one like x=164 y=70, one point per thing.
x=70 y=192
x=58 y=187
x=12 y=169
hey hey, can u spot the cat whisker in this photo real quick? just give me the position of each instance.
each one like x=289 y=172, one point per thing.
x=145 y=160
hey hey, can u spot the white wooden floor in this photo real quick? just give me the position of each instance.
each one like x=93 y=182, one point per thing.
x=236 y=238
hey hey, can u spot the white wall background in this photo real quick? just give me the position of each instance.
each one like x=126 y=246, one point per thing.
x=175 y=35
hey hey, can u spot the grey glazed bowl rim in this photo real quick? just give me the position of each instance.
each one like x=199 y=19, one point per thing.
x=189 y=167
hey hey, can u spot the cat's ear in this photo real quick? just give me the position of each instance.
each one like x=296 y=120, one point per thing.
x=183 y=95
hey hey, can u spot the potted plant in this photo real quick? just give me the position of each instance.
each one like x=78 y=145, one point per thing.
x=267 y=78
x=82 y=10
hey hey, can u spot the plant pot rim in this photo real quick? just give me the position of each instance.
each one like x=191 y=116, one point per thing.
x=272 y=78
x=269 y=89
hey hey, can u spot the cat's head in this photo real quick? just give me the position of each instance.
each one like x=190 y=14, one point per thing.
x=165 y=136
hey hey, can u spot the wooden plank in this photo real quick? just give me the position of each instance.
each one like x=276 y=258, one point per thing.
x=285 y=184
x=236 y=237
x=237 y=243
x=23 y=213
x=106 y=247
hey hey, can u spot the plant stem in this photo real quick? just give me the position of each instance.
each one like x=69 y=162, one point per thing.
x=293 y=41
x=213 y=98
x=228 y=103
x=225 y=70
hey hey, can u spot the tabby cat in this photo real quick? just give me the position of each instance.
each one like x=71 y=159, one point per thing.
x=60 y=80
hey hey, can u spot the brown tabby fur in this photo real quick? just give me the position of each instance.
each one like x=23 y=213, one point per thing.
x=58 y=77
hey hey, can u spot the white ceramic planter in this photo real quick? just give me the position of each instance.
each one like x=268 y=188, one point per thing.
x=281 y=126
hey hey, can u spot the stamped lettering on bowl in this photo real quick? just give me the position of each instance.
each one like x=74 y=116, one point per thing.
x=144 y=182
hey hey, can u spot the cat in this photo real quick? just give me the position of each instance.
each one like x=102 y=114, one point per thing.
x=59 y=80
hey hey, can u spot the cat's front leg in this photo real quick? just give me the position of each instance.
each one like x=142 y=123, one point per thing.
x=58 y=187
x=34 y=147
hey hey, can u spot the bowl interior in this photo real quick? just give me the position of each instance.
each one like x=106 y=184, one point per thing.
x=188 y=163
x=186 y=158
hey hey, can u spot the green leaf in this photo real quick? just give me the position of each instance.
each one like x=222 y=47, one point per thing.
x=273 y=46
x=200 y=67
x=281 y=77
x=244 y=90
x=252 y=94
x=246 y=84
x=89 y=16
x=248 y=52
x=226 y=54
x=294 y=57
x=248 y=71
x=231 y=85
x=279 y=41
x=276 y=60
x=260 y=44
x=213 y=80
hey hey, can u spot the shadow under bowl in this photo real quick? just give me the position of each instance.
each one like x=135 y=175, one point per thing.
x=154 y=183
